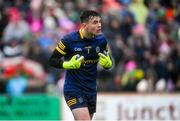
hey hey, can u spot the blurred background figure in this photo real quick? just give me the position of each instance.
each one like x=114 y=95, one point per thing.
x=144 y=37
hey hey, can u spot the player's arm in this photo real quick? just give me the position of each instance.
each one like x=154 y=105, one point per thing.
x=105 y=59
x=56 y=59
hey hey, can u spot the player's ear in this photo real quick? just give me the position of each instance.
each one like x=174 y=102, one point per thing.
x=83 y=24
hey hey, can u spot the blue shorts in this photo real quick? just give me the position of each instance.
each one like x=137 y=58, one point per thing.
x=81 y=99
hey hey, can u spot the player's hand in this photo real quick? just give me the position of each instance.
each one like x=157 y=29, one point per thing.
x=105 y=60
x=74 y=63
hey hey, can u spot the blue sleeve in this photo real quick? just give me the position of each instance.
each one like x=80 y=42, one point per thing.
x=105 y=44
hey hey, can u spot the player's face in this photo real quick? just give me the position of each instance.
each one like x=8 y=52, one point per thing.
x=93 y=26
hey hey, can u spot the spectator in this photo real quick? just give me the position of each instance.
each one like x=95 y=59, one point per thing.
x=17 y=84
x=16 y=28
x=150 y=38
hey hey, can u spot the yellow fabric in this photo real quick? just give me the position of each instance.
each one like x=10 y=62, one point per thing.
x=61 y=45
x=59 y=50
x=81 y=34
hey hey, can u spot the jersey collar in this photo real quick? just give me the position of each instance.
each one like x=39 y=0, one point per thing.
x=81 y=34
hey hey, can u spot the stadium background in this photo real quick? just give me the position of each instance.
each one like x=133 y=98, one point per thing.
x=144 y=38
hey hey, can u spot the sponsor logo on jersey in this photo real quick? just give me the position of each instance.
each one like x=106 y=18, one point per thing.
x=90 y=61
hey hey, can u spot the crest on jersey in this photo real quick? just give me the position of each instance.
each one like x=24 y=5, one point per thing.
x=97 y=49
x=80 y=100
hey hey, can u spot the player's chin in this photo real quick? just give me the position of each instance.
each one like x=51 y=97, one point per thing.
x=97 y=33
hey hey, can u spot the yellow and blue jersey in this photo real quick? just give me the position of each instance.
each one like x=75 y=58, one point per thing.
x=84 y=78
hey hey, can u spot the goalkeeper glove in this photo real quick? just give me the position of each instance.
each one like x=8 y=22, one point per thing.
x=74 y=63
x=105 y=60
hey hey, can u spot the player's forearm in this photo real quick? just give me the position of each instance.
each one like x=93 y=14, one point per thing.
x=55 y=60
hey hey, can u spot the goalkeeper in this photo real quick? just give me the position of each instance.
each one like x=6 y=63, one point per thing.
x=79 y=53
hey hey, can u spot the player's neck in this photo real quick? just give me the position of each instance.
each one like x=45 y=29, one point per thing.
x=86 y=34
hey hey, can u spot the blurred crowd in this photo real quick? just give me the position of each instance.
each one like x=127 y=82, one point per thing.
x=143 y=36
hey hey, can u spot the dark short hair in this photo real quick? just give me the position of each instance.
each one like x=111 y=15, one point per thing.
x=87 y=14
